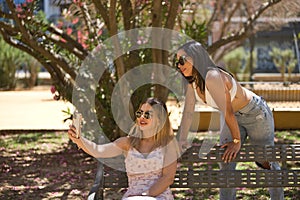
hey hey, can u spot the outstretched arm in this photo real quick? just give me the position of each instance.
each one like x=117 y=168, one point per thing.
x=108 y=150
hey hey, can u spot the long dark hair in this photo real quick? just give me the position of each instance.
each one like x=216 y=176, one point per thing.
x=202 y=63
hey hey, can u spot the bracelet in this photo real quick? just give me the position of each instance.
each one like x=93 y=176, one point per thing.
x=235 y=141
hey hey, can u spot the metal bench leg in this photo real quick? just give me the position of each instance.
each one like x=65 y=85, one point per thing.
x=96 y=191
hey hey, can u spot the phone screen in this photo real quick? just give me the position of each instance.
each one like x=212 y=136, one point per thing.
x=77 y=117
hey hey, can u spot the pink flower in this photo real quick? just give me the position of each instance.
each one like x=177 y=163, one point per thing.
x=69 y=31
x=79 y=34
x=19 y=8
x=60 y=24
x=52 y=89
x=75 y=21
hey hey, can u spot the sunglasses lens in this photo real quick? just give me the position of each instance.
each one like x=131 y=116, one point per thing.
x=147 y=115
x=180 y=61
x=138 y=114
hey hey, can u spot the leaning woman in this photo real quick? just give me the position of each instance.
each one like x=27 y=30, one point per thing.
x=243 y=113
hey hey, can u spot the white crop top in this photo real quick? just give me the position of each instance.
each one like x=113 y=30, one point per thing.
x=208 y=98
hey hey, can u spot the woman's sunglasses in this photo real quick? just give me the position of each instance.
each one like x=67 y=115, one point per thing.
x=181 y=61
x=146 y=114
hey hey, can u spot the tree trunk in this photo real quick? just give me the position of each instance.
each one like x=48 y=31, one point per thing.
x=252 y=44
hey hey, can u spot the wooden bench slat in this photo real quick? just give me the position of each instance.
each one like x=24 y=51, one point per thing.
x=248 y=153
x=222 y=179
x=237 y=178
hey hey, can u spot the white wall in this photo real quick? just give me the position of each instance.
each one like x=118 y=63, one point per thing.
x=50 y=8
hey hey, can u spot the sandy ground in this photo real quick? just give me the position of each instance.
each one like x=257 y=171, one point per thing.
x=36 y=110
x=32 y=109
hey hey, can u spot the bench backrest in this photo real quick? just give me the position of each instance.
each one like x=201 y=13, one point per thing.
x=193 y=172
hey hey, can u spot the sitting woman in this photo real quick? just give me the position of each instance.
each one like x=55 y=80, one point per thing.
x=150 y=151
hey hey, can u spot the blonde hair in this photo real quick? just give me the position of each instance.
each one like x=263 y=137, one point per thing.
x=164 y=132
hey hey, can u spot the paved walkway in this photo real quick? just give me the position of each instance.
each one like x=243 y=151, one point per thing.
x=36 y=110
x=31 y=110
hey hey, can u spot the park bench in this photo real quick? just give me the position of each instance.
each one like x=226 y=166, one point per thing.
x=193 y=172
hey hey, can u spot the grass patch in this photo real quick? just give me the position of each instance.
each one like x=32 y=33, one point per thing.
x=28 y=141
x=292 y=136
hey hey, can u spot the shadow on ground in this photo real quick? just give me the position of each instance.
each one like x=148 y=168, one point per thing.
x=48 y=168
x=44 y=165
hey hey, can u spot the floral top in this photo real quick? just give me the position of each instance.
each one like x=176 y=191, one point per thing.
x=143 y=171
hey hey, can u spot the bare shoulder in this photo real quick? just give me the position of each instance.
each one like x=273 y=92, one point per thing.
x=123 y=143
x=216 y=77
x=213 y=75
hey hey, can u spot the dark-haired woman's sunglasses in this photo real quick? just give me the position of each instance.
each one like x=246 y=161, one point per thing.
x=181 y=61
x=146 y=114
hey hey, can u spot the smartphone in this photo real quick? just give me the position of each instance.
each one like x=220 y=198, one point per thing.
x=77 y=118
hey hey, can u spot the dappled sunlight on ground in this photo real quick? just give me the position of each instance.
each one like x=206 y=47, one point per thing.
x=48 y=168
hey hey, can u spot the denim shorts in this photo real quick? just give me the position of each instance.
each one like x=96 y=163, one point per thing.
x=255 y=122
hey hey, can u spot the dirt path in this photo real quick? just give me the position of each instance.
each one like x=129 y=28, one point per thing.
x=32 y=109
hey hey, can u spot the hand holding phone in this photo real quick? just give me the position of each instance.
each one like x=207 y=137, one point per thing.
x=77 y=118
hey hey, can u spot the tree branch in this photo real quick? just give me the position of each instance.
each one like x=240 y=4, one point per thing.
x=56 y=74
x=30 y=41
x=113 y=31
x=172 y=14
x=127 y=12
x=234 y=8
x=156 y=38
x=244 y=31
x=103 y=11
x=71 y=45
